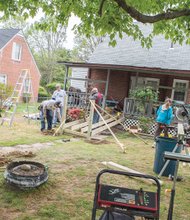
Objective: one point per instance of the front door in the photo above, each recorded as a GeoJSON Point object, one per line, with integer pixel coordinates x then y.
{"type": "Point", "coordinates": [179, 92]}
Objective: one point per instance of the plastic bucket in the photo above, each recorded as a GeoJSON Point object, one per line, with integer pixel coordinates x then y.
{"type": "Point", "coordinates": [164, 144]}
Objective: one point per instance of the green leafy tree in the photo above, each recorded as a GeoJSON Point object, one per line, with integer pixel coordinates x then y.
{"type": "Point", "coordinates": [48, 48]}
{"type": "Point", "coordinates": [15, 22]}
{"type": "Point", "coordinates": [171, 18]}
{"type": "Point", "coordinates": [84, 46]}
{"type": "Point", "coordinates": [144, 96]}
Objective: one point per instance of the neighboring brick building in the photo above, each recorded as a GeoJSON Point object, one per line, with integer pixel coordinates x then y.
{"type": "Point", "coordinates": [15, 55]}
{"type": "Point", "coordinates": [119, 69]}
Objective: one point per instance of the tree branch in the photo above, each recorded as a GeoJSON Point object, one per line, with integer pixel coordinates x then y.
{"type": "Point", "coordinates": [170, 14]}
{"type": "Point", "coordinates": [101, 7]}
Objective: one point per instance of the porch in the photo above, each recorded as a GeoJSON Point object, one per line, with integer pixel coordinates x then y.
{"type": "Point", "coordinates": [116, 81]}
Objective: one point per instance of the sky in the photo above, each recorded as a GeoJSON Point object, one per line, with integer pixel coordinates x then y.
{"type": "Point", "coordinates": [70, 33]}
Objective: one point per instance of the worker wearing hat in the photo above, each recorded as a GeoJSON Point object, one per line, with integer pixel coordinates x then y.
{"type": "Point", "coordinates": [97, 96]}
{"type": "Point", "coordinates": [46, 113]}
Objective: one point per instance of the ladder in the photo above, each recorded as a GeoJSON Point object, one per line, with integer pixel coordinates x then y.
{"type": "Point", "coordinates": [16, 95]}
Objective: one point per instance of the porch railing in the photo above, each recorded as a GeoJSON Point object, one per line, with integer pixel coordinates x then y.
{"type": "Point", "coordinates": [76, 99]}
{"type": "Point", "coordinates": [134, 107]}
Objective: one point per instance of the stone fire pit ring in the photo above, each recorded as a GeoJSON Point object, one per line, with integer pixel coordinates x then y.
{"type": "Point", "coordinates": [26, 174]}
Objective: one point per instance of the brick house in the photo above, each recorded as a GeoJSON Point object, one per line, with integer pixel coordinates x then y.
{"type": "Point", "coordinates": [16, 55]}
{"type": "Point", "coordinates": [117, 70]}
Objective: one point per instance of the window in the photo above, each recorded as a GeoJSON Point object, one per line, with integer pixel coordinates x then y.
{"type": "Point", "coordinates": [179, 92]}
{"type": "Point", "coordinates": [16, 51]}
{"type": "Point", "coordinates": [153, 82]}
{"type": "Point", "coordinates": [143, 81]}
{"type": "Point", "coordinates": [3, 78]}
{"type": "Point", "coordinates": [27, 85]}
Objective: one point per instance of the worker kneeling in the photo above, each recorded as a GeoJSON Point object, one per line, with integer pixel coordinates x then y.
{"type": "Point", "coordinates": [46, 113]}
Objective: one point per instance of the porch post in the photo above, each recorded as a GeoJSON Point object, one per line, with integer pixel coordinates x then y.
{"type": "Point", "coordinates": [66, 76]}
{"type": "Point", "coordinates": [125, 107]}
{"type": "Point", "coordinates": [136, 79]}
{"type": "Point", "coordinates": [90, 120]}
{"type": "Point", "coordinates": [106, 89]}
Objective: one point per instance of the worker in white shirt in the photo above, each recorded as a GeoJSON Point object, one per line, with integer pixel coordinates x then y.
{"type": "Point", "coordinates": [46, 113]}
{"type": "Point", "coordinates": [58, 95]}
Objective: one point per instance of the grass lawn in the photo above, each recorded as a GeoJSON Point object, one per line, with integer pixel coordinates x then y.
{"type": "Point", "coordinates": [73, 166]}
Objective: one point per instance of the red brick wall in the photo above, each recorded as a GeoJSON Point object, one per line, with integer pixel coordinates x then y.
{"type": "Point", "coordinates": [119, 84]}
{"type": "Point", "coordinates": [98, 75]}
{"type": "Point", "coordinates": [13, 68]}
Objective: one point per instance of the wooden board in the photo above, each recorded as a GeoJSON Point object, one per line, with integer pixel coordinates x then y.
{"type": "Point", "coordinates": [100, 129]}
{"type": "Point", "coordinates": [85, 129]}
{"type": "Point", "coordinates": [69, 124]}
{"type": "Point", "coordinates": [118, 166]}
{"type": "Point", "coordinates": [79, 126]}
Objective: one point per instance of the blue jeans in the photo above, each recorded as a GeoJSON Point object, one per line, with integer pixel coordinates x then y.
{"type": "Point", "coordinates": [96, 118]}
{"type": "Point", "coordinates": [49, 118]}
{"type": "Point", "coordinates": [55, 115]}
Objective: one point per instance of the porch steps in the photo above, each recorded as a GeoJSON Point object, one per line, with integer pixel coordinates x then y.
{"type": "Point", "coordinates": [80, 127]}
{"type": "Point", "coordinates": [84, 126]}
{"type": "Point", "coordinates": [97, 125]}
{"type": "Point", "coordinates": [103, 128]}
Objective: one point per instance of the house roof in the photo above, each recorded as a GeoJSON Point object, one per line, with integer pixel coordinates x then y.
{"type": "Point", "coordinates": [130, 53]}
{"type": "Point", "coordinates": [6, 35]}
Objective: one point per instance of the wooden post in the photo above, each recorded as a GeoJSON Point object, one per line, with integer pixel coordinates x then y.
{"type": "Point", "coordinates": [136, 79]}
{"type": "Point", "coordinates": [106, 89]}
{"type": "Point", "coordinates": [64, 115]}
{"type": "Point", "coordinates": [150, 107]}
{"type": "Point", "coordinates": [66, 76]}
{"type": "Point", "coordinates": [90, 119]}
{"type": "Point", "coordinates": [125, 107]}
{"type": "Point", "coordinates": [117, 141]}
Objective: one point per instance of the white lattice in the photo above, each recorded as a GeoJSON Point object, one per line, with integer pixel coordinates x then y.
{"type": "Point", "coordinates": [152, 128]}
{"type": "Point", "coordinates": [130, 122]}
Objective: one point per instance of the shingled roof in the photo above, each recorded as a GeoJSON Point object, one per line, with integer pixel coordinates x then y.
{"type": "Point", "coordinates": [130, 52]}
{"type": "Point", "coordinates": [6, 35]}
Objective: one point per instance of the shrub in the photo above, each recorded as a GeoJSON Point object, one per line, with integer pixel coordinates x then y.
{"type": "Point", "coordinates": [51, 87]}
{"type": "Point", "coordinates": [75, 114]}
{"type": "Point", "coordinates": [145, 123]}
{"type": "Point", "coordinates": [42, 94]}
{"type": "Point", "coordinates": [144, 95]}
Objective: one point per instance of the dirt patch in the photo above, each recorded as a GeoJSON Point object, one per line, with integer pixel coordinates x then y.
{"type": "Point", "coordinates": [7, 154]}
{"type": "Point", "coordinates": [24, 150]}
{"type": "Point", "coordinates": [4, 160]}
